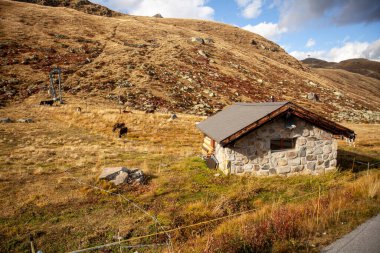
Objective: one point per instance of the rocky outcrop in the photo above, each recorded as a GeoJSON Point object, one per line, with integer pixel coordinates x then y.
{"type": "Point", "coordinates": [122, 175]}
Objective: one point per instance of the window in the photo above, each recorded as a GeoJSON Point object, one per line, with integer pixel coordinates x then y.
{"type": "Point", "coordinates": [281, 144]}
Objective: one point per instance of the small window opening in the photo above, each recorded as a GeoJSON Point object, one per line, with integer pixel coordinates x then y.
{"type": "Point", "coordinates": [282, 144]}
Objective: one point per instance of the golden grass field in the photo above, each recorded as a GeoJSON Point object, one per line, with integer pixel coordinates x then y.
{"type": "Point", "coordinates": [40, 196]}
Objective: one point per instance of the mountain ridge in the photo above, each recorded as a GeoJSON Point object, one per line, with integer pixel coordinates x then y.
{"type": "Point", "coordinates": [356, 65]}
{"type": "Point", "coordinates": [80, 5]}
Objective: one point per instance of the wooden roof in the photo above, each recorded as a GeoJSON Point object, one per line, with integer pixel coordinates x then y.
{"type": "Point", "coordinates": [238, 119]}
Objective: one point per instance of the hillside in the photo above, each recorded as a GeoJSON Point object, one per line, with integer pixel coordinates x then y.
{"type": "Point", "coordinates": [361, 66]}
{"type": "Point", "coordinates": [144, 62]}
{"type": "Point", "coordinates": [80, 5]}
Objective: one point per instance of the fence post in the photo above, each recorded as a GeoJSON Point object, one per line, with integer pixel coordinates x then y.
{"type": "Point", "coordinates": [368, 169]}
{"type": "Point", "coordinates": [32, 244]}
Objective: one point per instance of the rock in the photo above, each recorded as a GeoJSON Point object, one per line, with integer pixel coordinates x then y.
{"type": "Point", "coordinates": [282, 162]}
{"type": "Point", "coordinates": [291, 154]}
{"type": "Point", "coordinates": [198, 40]}
{"type": "Point", "coordinates": [122, 175]}
{"type": "Point", "coordinates": [248, 167]}
{"type": "Point", "coordinates": [327, 149]}
{"type": "Point", "coordinates": [120, 178]}
{"type": "Point", "coordinates": [302, 152]}
{"type": "Point", "coordinates": [310, 166]}
{"type": "Point", "coordinates": [110, 173]}
{"type": "Point", "coordinates": [173, 116]}
{"type": "Point", "coordinates": [283, 170]}
{"type": "Point", "coordinates": [202, 53]}
{"type": "Point", "coordinates": [311, 157]}
{"type": "Point", "coordinates": [260, 81]}
{"type": "Point", "coordinates": [338, 94]}
{"type": "Point", "coordinates": [301, 141]}
{"type": "Point", "coordinates": [312, 96]}
{"type": "Point", "coordinates": [208, 40]}
{"type": "Point", "coordinates": [318, 151]}
{"type": "Point", "coordinates": [25, 120]}
{"type": "Point", "coordinates": [333, 163]}
{"type": "Point", "coordinates": [295, 161]}
{"type": "Point", "coordinates": [297, 168]}
{"type": "Point", "coordinates": [6, 120]}
{"type": "Point", "coordinates": [158, 15]}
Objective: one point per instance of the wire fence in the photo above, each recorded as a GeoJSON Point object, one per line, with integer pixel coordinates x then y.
{"type": "Point", "coordinates": [357, 163]}
{"type": "Point", "coordinates": [167, 232]}
{"type": "Point", "coordinates": [120, 242]}
{"type": "Point", "coordinates": [168, 241]}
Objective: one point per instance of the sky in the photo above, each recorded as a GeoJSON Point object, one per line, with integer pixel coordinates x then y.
{"type": "Point", "coordinates": [331, 30]}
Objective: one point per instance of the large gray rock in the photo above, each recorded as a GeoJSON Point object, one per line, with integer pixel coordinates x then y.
{"type": "Point", "coordinates": [122, 175]}
{"type": "Point", "coordinates": [197, 39]}
{"type": "Point", "coordinates": [6, 120]}
{"type": "Point", "coordinates": [25, 120]}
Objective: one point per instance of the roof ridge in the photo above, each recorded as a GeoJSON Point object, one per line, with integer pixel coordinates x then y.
{"type": "Point", "coordinates": [262, 104]}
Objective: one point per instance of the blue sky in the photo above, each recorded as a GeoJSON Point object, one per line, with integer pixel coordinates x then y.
{"type": "Point", "coordinates": [332, 30]}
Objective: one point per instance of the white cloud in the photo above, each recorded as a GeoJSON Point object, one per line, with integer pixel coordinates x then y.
{"type": "Point", "coordinates": [296, 14]}
{"type": "Point", "coordinates": [310, 43]}
{"type": "Point", "coordinates": [250, 8]}
{"type": "Point", "coordinates": [348, 51]}
{"type": "Point", "coordinates": [267, 30]}
{"type": "Point", "coordinates": [300, 55]}
{"type": "Point", "coordinates": [167, 8]}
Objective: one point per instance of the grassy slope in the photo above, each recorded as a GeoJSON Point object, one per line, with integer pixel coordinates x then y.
{"type": "Point", "coordinates": [156, 56]}
{"type": "Point", "coordinates": [39, 197]}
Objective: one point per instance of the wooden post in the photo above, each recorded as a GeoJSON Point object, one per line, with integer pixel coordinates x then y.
{"type": "Point", "coordinates": [319, 198]}
{"type": "Point", "coordinates": [32, 244]}
{"type": "Point", "coordinates": [118, 237]}
{"type": "Point", "coordinates": [368, 169]}
{"type": "Point", "coordinates": [353, 164]}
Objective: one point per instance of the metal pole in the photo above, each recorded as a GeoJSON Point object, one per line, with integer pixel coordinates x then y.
{"type": "Point", "coordinates": [59, 85]}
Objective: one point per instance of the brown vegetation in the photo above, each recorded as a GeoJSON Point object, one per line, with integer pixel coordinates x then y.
{"type": "Point", "coordinates": [40, 161]}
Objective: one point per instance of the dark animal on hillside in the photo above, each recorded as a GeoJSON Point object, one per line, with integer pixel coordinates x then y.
{"type": "Point", "coordinates": [118, 126]}
{"type": "Point", "coordinates": [47, 102]}
{"type": "Point", "coordinates": [150, 111]}
{"type": "Point", "coordinates": [123, 130]}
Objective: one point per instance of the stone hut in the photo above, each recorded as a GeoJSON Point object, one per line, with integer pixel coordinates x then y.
{"type": "Point", "coordinates": [271, 138]}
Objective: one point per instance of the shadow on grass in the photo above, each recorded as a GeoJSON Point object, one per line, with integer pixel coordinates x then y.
{"type": "Point", "coordinates": [349, 160]}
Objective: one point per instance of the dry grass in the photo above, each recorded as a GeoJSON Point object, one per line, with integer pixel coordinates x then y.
{"type": "Point", "coordinates": [39, 197]}
{"type": "Point", "coordinates": [97, 53]}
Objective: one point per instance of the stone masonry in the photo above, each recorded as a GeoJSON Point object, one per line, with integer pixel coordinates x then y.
{"type": "Point", "coordinates": [315, 151]}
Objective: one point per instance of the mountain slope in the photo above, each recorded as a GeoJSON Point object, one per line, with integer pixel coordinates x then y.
{"type": "Point", "coordinates": [149, 62]}
{"type": "Point", "coordinates": [361, 66]}
{"type": "Point", "coordinates": [80, 5]}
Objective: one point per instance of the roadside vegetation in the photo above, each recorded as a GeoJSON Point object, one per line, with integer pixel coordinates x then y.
{"type": "Point", "coordinates": [49, 168]}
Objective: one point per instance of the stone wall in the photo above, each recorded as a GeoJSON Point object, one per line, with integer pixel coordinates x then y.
{"type": "Point", "coordinates": [315, 151]}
